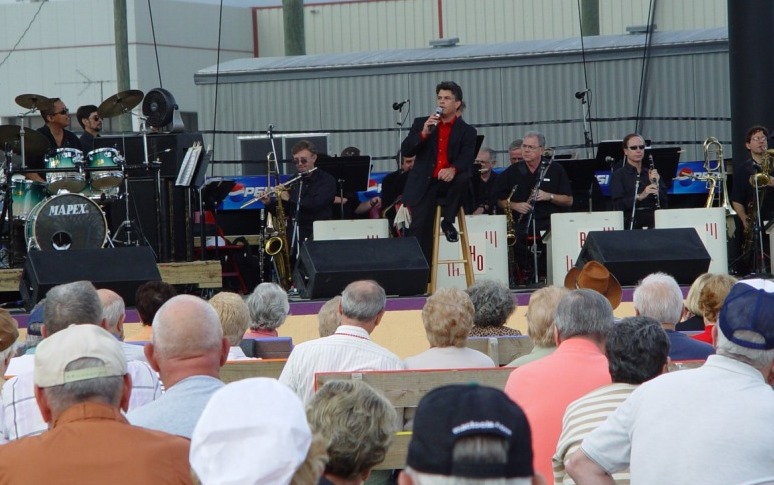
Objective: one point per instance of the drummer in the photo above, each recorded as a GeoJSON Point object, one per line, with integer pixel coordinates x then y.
{"type": "Point", "coordinates": [91, 122]}
{"type": "Point", "coordinates": [57, 118]}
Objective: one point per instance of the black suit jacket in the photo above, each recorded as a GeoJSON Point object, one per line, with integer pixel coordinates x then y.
{"type": "Point", "coordinates": [461, 153]}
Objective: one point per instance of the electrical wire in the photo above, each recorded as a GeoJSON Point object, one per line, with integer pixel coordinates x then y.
{"type": "Point", "coordinates": [585, 76]}
{"type": "Point", "coordinates": [217, 80]}
{"type": "Point", "coordinates": [21, 37]}
{"type": "Point", "coordinates": [155, 45]}
{"type": "Point", "coordinates": [645, 65]}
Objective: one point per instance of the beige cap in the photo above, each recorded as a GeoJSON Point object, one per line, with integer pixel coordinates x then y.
{"type": "Point", "coordinates": [75, 342]}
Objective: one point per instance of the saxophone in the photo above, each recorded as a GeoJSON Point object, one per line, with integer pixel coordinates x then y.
{"type": "Point", "coordinates": [759, 181]}
{"type": "Point", "coordinates": [278, 248]}
{"type": "Point", "coordinates": [511, 239]}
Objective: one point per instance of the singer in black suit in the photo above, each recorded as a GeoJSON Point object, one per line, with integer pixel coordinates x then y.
{"type": "Point", "coordinates": [651, 190]}
{"type": "Point", "coordinates": [445, 147]}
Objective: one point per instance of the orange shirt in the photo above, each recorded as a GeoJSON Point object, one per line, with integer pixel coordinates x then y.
{"type": "Point", "coordinates": [93, 443]}
{"type": "Point", "coordinates": [544, 388]}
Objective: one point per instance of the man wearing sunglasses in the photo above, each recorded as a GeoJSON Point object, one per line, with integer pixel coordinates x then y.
{"type": "Point", "coordinates": [650, 189]}
{"type": "Point", "coordinates": [57, 118]}
{"type": "Point", "coordinates": [316, 189]}
{"type": "Point", "coordinates": [91, 122]}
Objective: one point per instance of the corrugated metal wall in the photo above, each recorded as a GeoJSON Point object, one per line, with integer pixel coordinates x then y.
{"type": "Point", "coordinates": [397, 24]}
{"type": "Point", "coordinates": [514, 94]}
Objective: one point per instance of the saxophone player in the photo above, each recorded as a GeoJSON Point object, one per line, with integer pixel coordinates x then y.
{"type": "Point", "coordinates": [651, 191]}
{"type": "Point", "coordinates": [316, 190]}
{"type": "Point", "coordinates": [553, 195]}
{"type": "Point", "coordinates": [743, 198]}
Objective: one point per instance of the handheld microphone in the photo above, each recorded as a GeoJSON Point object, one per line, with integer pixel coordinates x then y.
{"type": "Point", "coordinates": [397, 106]}
{"type": "Point", "coordinates": [437, 114]}
{"type": "Point", "coordinates": [581, 94]}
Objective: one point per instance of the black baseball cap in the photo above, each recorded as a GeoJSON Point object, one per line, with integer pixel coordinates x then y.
{"type": "Point", "coordinates": [449, 413]}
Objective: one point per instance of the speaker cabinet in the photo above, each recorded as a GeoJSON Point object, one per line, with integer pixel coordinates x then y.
{"type": "Point", "coordinates": [119, 269]}
{"type": "Point", "coordinates": [324, 268]}
{"type": "Point", "coordinates": [632, 255]}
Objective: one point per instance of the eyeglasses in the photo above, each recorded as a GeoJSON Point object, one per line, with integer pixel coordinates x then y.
{"type": "Point", "coordinates": [63, 112]}
{"type": "Point", "coordinates": [758, 138]}
{"type": "Point", "coordinates": [300, 161]}
{"type": "Point", "coordinates": [636, 147]}
{"type": "Point", "coordinates": [95, 118]}
{"type": "Point", "coordinates": [530, 147]}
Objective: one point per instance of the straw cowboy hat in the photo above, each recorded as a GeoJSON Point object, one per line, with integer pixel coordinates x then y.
{"type": "Point", "coordinates": [594, 276]}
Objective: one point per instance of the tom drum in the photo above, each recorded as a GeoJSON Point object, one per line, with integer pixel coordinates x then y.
{"type": "Point", "coordinates": [72, 181]}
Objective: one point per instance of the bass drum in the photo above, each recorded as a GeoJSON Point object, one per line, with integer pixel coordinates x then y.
{"type": "Point", "coordinates": [66, 221]}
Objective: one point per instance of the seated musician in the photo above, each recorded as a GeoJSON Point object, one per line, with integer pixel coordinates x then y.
{"type": "Point", "coordinates": [315, 188]}
{"type": "Point", "coordinates": [651, 190]}
{"type": "Point", "coordinates": [483, 184]}
{"type": "Point", "coordinates": [57, 119]}
{"type": "Point", "coordinates": [529, 192]}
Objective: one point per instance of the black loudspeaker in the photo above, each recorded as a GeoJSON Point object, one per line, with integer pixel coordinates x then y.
{"type": "Point", "coordinates": [168, 148]}
{"type": "Point", "coordinates": [632, 255]}
{"type": "Point", "coordinates": [324, 268]}
{"type": "Point", "coordinates": [119, 269]}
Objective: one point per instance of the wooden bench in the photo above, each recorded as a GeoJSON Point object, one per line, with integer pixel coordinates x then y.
{"type": "Point", "coordinates": [244, 369]}
{"type": "Point", "coordinates": [502, 350]}
{"type": "Point", "coordinates": [405, 388]}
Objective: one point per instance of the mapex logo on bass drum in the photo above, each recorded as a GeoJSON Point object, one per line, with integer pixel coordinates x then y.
{"type": "Point", "coordinates": [67, 209]}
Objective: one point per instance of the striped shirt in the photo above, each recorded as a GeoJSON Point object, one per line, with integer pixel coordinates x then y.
{"type": "Point", "coordinates": [582, 417]}
{"type": "Point", "coordinates": [350, 349]}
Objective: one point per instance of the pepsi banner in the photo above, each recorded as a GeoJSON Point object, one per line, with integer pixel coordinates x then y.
{"type": "Point", "coordinates": [683, 181]}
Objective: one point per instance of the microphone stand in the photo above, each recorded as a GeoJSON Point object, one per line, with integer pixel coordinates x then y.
{"type": "Point", "coordinates": [585, 108]}
{"type": "Point", "coordinates": [634, 203]}
{"type": "Point", "coordinates": [758, 244]}
{"type": "Point", "coordinates": [591, 191]}
{"type": "Point", "coordinates": [294, 242]}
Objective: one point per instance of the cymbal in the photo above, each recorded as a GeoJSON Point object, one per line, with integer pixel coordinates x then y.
{"type": "Point", "coordinates": [120, 103]}
{"type": "Point", "coordinates": [31, 101]}
{"type": "Point", "coordinates": [34, 142]}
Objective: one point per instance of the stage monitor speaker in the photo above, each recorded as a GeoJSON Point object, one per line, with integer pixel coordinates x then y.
{"type": "Point", "coordinates": [324, 268]}
{"type": "Point", "coordinates": [632, 255]}
{"type": "Point", "coordinates": [119, 269]}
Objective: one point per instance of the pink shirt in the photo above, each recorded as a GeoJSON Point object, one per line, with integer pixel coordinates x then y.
{"type": "Point", "coordinates": [261, 333]}
{"type": "Point", "coordinates": [544, 388]}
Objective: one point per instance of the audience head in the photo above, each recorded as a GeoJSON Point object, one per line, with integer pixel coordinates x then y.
{"type": "Point", "coordinates": [713, 294]}
{"type": "Point", "coordinates": [492, 301]}
{"type": "Point", "coordinates": [468, 432]}
{"type": "Point", "coordinates": [584, 313]}
{"type": "Point", "coordinates": [113, 311]}
{"type": "Point", "coordinates": [233, 314]}
{"type": "Point", "coordinates": [328, 317]}
{"type": "Point", "coordinates": [77, 364]}
{"type": "Point", "coordinates": [746, 329]}
{"type": "Point", "coordinates": [255, 431]}
{"type": "Point", "coordinates": [269, 306]}
{"type": "Point", "coordinates": [594, 276]}
{"type": "Point", "coordinates": [149, 298]}
{"type": "Point", "coordinates": [659, 296]}
{"type": "Point", "coordinates": [34, 325]}
{"type": "Point", "coordinates": [9, 334]}
{"type": "Point", "coordinates": [541, 315]}
{"type": "Point", "coordinates": [362, 303]}
{"type": "Point", "coordinates": [76, 302]}
{"type": "Point", "coordinates": [448, 317]}
{"type": "Point", "coordinates": [692, 299]}
{"type": "Point", "coordinates": [358, 423]}
{"type": "Point", "coordinates": [637, 350]}
{"type": "Point", "coordinates": [187, 340]}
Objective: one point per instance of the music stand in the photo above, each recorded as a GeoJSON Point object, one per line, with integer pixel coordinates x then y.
{"type": "Point", "coordinates": [210, 195]}
{"type": "Point", "coordinates": [584, 183]}
{"type": "Point", "coordinates": [665, 160]}
{"type": "Point", "coordinates": [614, 150]}
{"type": "Point", "coordinates": [351, 173]}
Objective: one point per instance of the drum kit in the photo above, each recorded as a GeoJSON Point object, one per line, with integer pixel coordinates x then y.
{"type": "Point", "coordinates": [65, 212]}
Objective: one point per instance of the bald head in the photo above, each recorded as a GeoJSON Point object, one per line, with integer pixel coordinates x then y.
{"type": "Point", "coordinates": [186, 326]}
{"type": "Point", "coordinates": [113, 311]}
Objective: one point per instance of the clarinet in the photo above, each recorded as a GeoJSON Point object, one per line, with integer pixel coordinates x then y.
{"type": "Point", "coordinates": [654, 181]}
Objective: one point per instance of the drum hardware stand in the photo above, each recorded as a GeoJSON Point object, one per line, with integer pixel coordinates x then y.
{"type": "Point", "coordinates": [126, 225]}
{"type": "Point", "coordinates": [6, 216]}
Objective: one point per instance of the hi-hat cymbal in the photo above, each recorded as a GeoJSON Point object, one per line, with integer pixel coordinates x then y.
{"type": "Point", "coordinates": [31, 101]}
{"type": "Point", "coordinates": [34, 142]}
{"type": "Point", "coordinates": [120, 103]}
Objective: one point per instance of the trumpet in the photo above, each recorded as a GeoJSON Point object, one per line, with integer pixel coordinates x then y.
{"type": "Point", "coordinates": [278, 188]}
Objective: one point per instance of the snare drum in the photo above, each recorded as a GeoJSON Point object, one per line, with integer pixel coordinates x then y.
{"type": "Point", "coordinates": [26, 195]}
{"type": "Point", "coordinates": [66, 221]}
{"type": "Point", "coordinates": [105, 167]}
{"type": "Point", "coordinates": [70, 181]}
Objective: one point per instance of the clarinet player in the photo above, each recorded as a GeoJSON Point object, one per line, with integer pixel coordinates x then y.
{"type": "Point", "coordinates": [635, 188]}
